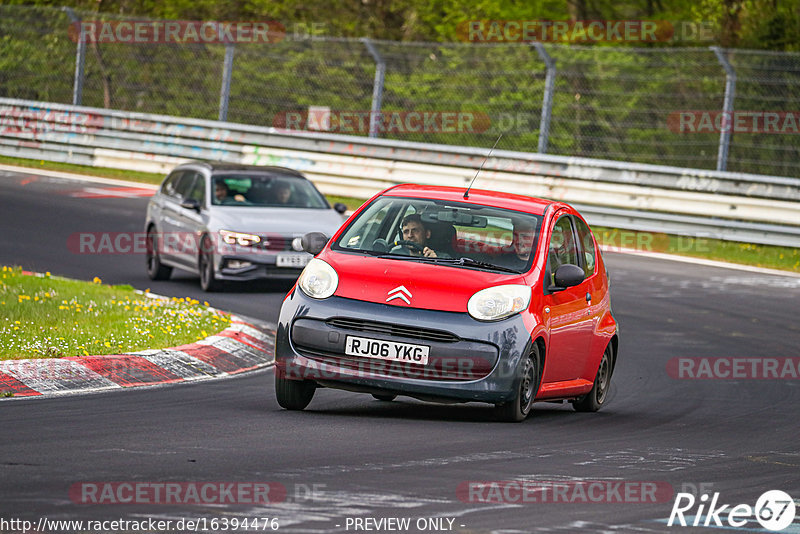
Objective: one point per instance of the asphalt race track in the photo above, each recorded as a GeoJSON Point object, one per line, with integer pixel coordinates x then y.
{"type": "Point", "coordinates": [350, 457]}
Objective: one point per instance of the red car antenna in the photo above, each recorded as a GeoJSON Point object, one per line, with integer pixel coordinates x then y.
{"type": "Point", "coordinates": [466, 193]}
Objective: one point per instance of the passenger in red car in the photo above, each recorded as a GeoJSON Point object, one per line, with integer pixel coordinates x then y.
{"type": "Point", "coordinates": [516, 256]}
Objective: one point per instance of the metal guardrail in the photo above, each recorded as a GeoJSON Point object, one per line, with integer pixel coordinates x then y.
{"type": "Point", "coordinates": [674, 104]}
{"type": "Point", "coordinates": [724, 205]}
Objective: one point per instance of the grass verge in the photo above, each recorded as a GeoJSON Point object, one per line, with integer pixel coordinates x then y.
{"type": "Point", "coordinates": [43, 316]}
{"type": "Point", "coordinates": [767, 256]}
{"type": "Point", "coordinates": [104, 172]}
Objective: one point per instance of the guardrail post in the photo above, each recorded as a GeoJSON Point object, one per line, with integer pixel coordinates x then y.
{"type": "Point", "coordinates": [225, 91]}
{"type": "Point", "coordinates": [547, 100]}
{"type": "Point", "coordinates": [80, 58]}
{"type": "Point", "coordinates": [377, 87]}
{"type": "Point", "coordinates": [727, 109]}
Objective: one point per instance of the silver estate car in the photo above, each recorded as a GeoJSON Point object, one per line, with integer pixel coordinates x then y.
{"type": "Point", "coordinates": [234, 222]}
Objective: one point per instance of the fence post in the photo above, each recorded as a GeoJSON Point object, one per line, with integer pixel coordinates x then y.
{"type": "Point", "coordinates": [377, 87]}
{"type": "Point", "coordinates": [80, 58]}
{"type": "Point", "coordinates": [727, 109]}
{"type": "Point", "coordinates": [547, 101]}
{"type": "Point", "coordinates": [225, 91]}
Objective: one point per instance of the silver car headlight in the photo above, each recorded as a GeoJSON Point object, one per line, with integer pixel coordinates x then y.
{"type": "Point", "coordinates": [238, 238]}
{"type": "Point", "coordinates": [499, 302]}
{"type": "Point", "coordinates": [318, 280]}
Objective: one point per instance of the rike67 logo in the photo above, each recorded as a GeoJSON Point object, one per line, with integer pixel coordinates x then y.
{"type": "Point", "coordinates": [774, 510]}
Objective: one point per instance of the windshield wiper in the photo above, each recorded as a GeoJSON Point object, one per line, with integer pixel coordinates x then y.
{"type": "Point", "coordinates": [377, 253]}
{"type": "Point", "coordinates": [464, 261]}
{"type": "Point", "coordinates": [385, 255]}
{"type": "Point", "coordinates": [469, 262]}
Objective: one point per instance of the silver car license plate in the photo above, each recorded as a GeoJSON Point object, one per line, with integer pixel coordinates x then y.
{"type": "Point", "coordinates": [292, 260]}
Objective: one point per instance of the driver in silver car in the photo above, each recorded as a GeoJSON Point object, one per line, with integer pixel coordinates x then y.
{"type": "Point", "coordinates": [222, 194]}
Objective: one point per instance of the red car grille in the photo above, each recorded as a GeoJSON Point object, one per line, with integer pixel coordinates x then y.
{"type": "Point", "coordinates": [363, 325]}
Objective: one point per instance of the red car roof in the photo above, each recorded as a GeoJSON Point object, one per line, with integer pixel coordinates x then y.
{"type": "Point", "coordinates": [482, 197]}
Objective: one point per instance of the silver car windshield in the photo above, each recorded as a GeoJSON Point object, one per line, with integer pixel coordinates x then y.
{"type": "Point", "coordinates": [257, 190]}
{"type": "Point", "coordinates": [452, 233]}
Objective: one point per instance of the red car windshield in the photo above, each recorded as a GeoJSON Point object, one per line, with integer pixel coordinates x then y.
{"type": "Point", "coordinates": [453, 233]}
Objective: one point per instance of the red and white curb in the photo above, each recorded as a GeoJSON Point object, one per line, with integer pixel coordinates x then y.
{"type": "Point", "coordinates": [243, 346]}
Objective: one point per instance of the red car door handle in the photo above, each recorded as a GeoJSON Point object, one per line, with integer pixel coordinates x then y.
{"type": "Point", "coordinates": [588, 297]}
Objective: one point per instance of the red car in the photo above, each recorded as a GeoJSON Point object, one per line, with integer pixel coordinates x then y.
{"type": "Point", "coordinates": [450, 295]}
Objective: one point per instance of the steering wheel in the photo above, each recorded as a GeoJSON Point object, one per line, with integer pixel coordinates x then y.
{"type": "Point", "coordinates": [380, 245]}
{"type": "Point", "coordinates": [410, 244]}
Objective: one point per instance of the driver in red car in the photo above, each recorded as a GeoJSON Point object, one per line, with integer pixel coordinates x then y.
{"type": "Point", "coordinates": [416, 236]}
